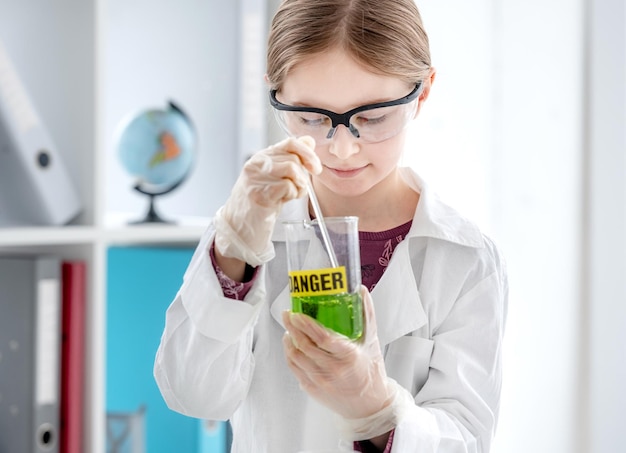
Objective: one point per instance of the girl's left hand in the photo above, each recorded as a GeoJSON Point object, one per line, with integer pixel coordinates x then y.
{"type": "Point", "coordinates": [347, 376]}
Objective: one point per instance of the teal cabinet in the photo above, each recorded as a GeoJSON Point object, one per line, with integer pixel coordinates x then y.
{"type": "Point", "coordinates": [141, 283]}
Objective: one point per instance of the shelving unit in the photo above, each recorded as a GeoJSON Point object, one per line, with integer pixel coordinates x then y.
{"type": "Point", "coordinates": [88, 65]}
{"type": "Point", "coordinates": [90, 243]}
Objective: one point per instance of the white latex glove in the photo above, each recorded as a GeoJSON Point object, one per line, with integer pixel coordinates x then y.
{"type": "Point", "coordinates": [269, 178]}
{"type": "Point", "coordinates": [349, 377]}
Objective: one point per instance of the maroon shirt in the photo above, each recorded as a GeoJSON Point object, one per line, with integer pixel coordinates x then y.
{"type": "Point", "coordinates": [376, 250]}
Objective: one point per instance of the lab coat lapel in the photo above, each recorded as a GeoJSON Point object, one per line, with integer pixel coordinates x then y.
{"type": "Point", "coordinates": [280, 304]}
{"type": "Point", "coordinates": [396, 299]}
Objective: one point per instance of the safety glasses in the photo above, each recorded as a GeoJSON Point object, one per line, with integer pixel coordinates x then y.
{"type": "Point", "coordinates": [371, 123]}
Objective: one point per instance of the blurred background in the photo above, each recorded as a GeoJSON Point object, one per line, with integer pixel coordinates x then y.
{"type": "Point", "coordinates": [525, 132]}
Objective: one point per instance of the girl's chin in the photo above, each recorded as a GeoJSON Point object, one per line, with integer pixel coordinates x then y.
{"type": "Point", "coordinates": [346, 188]}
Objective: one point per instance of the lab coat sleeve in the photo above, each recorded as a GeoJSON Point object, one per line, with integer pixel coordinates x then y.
{"type": "Point", "coordinates": [456, 410]}
{"type": "Point", "coordinates": [204, 363]}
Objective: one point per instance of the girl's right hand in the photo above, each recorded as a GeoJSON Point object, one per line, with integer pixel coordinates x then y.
{"type": "Point", "coordinates": [269, 178]}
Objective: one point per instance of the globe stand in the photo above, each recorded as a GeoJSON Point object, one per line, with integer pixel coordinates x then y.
{"type": "Point", "coordinates": [152, 216]}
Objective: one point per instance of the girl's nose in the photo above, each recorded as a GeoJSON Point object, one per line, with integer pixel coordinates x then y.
{"type": "Point", "coordinates": [343, 144]}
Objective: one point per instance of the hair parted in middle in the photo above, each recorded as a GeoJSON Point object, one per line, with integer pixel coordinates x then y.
{"type": "Point", "coordinates": [385, 36]}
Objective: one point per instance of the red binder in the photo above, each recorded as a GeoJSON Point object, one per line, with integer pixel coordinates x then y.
{"type": "Point", "coordinates": [72, 356]}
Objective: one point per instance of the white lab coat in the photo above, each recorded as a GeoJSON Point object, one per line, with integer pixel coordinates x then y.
{"type": "Point", "coordinates": [440, 309]}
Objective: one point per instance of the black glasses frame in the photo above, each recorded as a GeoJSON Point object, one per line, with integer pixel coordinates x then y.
{"type": "Point", "coordinates": [344, 118]}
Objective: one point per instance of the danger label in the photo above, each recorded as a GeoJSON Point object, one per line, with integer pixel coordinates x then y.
{"type": "Point", "coordinates": [318, 282]}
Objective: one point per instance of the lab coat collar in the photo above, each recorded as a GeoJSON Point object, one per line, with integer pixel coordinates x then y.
{"type": "Point", "coordinates": [433, 218]}
{"type": "Point", "coordinates": [397, 303]}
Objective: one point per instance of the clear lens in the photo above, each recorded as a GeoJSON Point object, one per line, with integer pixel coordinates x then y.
{"type": "Point", "coordinates": [373, 125]}
{"type": "Point", "coordinates": [376, 125]}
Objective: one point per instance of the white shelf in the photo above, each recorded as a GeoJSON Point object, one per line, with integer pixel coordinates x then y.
{"type": "Point", "coordinates": [183, 233]}
{"type": "Point", "coordinates": [28, 237]}
{"type": "Point", "coordinates": [38, 236]}
{"type": "Point", "coordinates": [119, 230]}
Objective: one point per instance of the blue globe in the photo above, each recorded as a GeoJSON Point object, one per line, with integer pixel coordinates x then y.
{"type": "Point", "coordinates": [157, 147]}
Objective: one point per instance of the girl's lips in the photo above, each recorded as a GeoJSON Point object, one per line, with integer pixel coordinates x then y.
{"type": "Point", "coordinates": [346, 172]}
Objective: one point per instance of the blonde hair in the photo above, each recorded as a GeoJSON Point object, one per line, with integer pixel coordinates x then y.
{"type": "Point", "coordinates": [385, 36]}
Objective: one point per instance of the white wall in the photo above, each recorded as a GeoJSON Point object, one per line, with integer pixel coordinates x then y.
{"type": "Point", "coordinates": [452, 139]}
{"type": "Point", "coordinates": [544, 172]}
{"type": "Point", "coordinates": [186, 51]}
{"type": "Point", "coordinates": [539, 208]}
{"type": "Point", "coordinates": [502, 139]}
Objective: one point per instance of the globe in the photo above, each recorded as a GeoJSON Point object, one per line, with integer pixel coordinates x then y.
{"type": "Point", "coordinates": [157, 148]}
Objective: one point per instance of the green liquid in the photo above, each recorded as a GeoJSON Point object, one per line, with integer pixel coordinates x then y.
{"type": "Point", "coordinates": [342, 313]}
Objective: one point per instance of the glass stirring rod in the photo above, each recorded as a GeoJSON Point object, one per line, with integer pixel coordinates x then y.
{"type": "Point", "coordinates": [321, 223]}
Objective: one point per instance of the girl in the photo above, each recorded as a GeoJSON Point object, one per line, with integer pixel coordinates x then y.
{"type": "Point", "coordinates": [346, 77]}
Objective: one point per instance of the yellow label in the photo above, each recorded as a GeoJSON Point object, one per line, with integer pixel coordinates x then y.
{"type": "Point", "coordinates": [318, 282]}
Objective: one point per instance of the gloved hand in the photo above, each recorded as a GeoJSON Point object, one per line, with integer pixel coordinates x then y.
{"type": "Point", "coordinates": [269, 178]}
{"type": "Point", "coordinates": [346, 376]}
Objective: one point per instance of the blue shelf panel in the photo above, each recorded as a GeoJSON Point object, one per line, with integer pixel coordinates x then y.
{"type": "Point", "coordinates": [141, 283]}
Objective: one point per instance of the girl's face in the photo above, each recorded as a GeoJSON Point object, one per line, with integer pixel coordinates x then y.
{"type": "Point", "coordinates": [335, 82]}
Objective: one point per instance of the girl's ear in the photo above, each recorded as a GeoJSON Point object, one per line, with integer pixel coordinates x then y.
{"type": "Point", "coordinates": [428, 83]}
{"type": "Point", "coordinates": [267, 80]}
